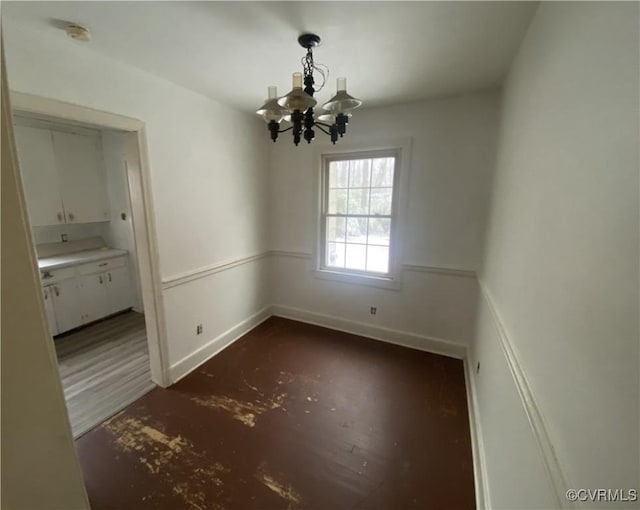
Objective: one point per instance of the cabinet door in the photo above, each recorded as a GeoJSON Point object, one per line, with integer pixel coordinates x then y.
{"type": "Point", "coordinates": [93, 289]}
{"type": "Point", "coordinates": [51, 314]}
{"type": "Point", "coordinates": [82, 177]}
{"type": "Point", "coordinates": [39, 175]}
{"type": "Point", "coordinates": [119, 289]}
{"type": "Point", "coordinates": [66, 304]}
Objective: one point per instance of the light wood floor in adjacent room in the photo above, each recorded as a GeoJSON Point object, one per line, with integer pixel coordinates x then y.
{"type": "Point", "coordinates": [103, 367]}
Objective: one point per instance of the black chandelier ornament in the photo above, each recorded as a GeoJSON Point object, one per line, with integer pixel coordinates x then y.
{"type": "Point", "coordinates": [297, 106]}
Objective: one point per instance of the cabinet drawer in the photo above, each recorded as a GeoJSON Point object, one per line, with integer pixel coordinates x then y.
{"type": "Point", "coordinates": [102, 265]}
{"type": "Point", "coordinates": [48, 276]}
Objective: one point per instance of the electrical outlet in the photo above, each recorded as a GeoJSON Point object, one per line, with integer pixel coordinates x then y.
{"type": "Point", "coordinates": [478, 368]}
{"type": "Point", "coordinates": [373, 310]}
{"type": "Point", "coordinates": [199, 329]}
{"type": "Point", "coordinates": [64, 238]}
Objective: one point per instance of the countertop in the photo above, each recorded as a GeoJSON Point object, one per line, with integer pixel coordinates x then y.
{"type": "Point", "coordinates": [79, 257]}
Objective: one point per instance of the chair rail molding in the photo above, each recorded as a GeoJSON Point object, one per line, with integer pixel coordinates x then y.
{"type": "Point", "coordinates": [203, 272]}
{"type": "Point", "coordinates": [449, 271]}
{"type": "Point", "coordinates": [529, 402]}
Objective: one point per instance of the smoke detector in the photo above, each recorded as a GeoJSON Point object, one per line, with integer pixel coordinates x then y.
{"type": "Point", "coordinates": [78, 32]}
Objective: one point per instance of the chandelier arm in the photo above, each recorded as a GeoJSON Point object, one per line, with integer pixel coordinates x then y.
{"type": "Point", "coordinates": [323, 130]}
{"type": "Point", "coordinates": [285, 130]}
{"type": "Point", "coordinates": [318, 123]}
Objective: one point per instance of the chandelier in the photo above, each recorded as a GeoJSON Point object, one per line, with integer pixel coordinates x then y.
{"type": "Point", "coordinates": [297, 106]}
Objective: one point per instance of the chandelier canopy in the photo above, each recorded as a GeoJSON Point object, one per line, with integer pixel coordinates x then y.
{"type": "Point", "coordinates": [296, 107]}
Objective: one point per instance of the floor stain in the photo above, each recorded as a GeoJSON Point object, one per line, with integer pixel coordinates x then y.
{"type": "Point", "coordinates": [252, 387]}
{"type": "Point", "coordinates": [194, 500]}
{"type": "Point", "coordinates": [173, 459]}
{"type": "Point", "coordinates": [243, 411]}
{"type": "Point", "coordinates": [284, 491]}
{"type": "Point", "coordinates": [156, 449]}
{"type": "Point", "coordinates": [300, 379]}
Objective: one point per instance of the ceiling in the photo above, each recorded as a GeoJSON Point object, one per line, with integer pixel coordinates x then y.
{"type": "Point", "coordinates": [390, 52]}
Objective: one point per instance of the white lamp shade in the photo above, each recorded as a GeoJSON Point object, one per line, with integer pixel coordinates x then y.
{"type": "Point", "coordinates": [297, 99]}
{"type": "Point", "coordinates": [341, 102]}
{"type": "Point", "coordinates": [271, 110]}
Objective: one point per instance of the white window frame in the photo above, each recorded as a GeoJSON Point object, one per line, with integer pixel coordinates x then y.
{"type": "Point", "coordinates": [391, 280]}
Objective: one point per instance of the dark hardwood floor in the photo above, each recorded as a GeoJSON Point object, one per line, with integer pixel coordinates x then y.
{"type": "Point", "coordinates": [292, 416]}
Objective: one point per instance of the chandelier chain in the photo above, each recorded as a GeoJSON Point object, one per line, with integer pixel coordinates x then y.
{"type": "Point", "coordinates": [309, 66]}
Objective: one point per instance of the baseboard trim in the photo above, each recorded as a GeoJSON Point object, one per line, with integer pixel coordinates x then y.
{"type": "Point", "coordinates": [393, 336]}
{"type": "Point", "coordinates": [397, 337]}
{"type": "Point", "coordinates": [189, 363]}
{"type": "Point", "coordinates": [477, 444]}
{"type": "Point", "coordinates": [529, 403]}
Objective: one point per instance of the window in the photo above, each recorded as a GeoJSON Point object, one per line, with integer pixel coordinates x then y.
{"type": "Point", "coordinates": [359, 195]}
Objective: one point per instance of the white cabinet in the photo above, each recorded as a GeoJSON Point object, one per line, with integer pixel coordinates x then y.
{"type": "Point", "coordinates": [48, 306]}
{"type": "Point", "coordinates": [95, 302]}
{"type": "Point", "coordinates": [84, 293]}
{"type": "Point", "coordinates": [63, 175]}
{"type": "Point", "coordinates": [39, 175]}
{"type": "Point", "coordinates": [67, 304]}
{"type": "Point", "coordinates": [82, 177]}
{"type": "Point", "coordinates": [105, 293]}
{"type": "Point", "coordinates": [119, 289]}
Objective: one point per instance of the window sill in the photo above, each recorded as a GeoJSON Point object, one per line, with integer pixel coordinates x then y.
{"type": "Point", "coordinates": [358, 279]}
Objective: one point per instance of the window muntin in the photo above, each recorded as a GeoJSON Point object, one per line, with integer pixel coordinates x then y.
{"type": "Point", "coordinates": [359, 195]}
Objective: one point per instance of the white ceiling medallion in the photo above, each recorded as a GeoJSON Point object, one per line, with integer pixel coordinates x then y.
{"type": "Point", "coordinates": [78, 32]}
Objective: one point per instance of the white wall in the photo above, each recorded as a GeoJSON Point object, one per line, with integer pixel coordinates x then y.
{"type": "Point", "coordinates": [453, 155]}
{"type": "Point", "coordinates": [562, 257]}
{"type": "Point", "coordinates": [40, 468]}
{"type": "Point", "coordinates": [53, 233]}
{"type": "Point", "coordinates": [119, 232]}
{"type": "Point", "coordinates": [208, 169]}
{"type": "Point", "coordinates": [235, 303]}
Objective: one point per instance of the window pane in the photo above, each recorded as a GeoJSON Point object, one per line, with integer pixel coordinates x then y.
{"type": "Point", "coordinates": [335, 254]}
{"type": "Point", "coordinates": [338, 174]}
{"type": "Point", "coordinates": [382, 172]}
{"type": "Point", "coordinates": [360, 171]}
{"type": "Point", "coordinates": [378, 259]}
{"type": "Point", "coordinates": [381, 201]}
{"type": "Point", "coordinates": [358, 201]}
{"type": "Point", "coordinates": [379, 231]}
{"type": "Point", "coordinates": [356, 255]}
{"type": "Point", "coordinates": [359, 187]}
{"type": "Point", "coordinates": [357, 230]}
{"type": "Point", "coordinates": [336, 229]}
{"type": "Point", "coordinates": [337, 201]}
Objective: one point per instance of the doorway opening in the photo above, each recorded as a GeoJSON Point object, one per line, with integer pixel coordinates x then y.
{"type": "Point", "coordinates": [86, 187]}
